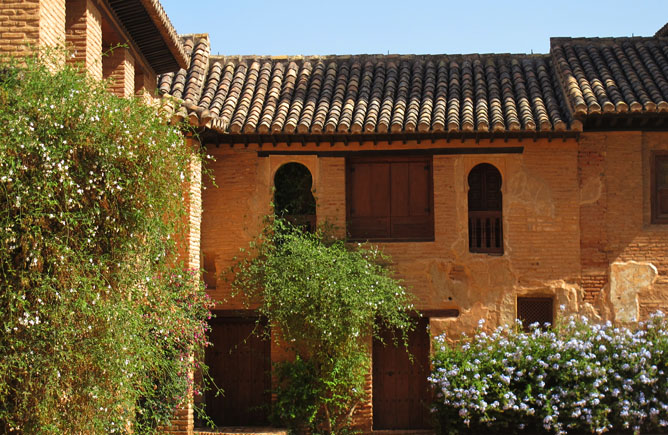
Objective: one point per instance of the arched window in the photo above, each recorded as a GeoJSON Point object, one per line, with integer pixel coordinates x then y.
{"type": "Point", "coordinates": [485, 206]}
{"type": "Point", "coordinates": [293, 198]}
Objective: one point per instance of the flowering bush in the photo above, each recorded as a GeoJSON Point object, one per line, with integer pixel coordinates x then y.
{"type": "Point", "coordinates": [98, 321]}
{"type": "Point", "coordinates": [578, 377]}
{"type": "Point", "coordinates": [327, 299]}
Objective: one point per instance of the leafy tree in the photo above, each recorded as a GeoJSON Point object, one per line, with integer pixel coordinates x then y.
{"type": "Point", "coordinates": [324, 299]}
{"type": "Point", "coordinates": [98, 319]}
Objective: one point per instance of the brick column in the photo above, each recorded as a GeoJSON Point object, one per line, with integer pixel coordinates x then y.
{"type": "Point", "coordinates": [184, 421]}
{"type": "Point", "coordinates": [84, 35]}
{"type": "Point", "coordinates": [119, 67]}
{"type": "Point", "coordinates": [145, 83]}
{"type": "Point", "coordinates": [27, 24]}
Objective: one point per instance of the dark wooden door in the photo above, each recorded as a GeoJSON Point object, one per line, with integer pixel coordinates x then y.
{"type": "Point", "coordinates": [401, 394]}
{"type": "Point", "coordinates": [239, 363]}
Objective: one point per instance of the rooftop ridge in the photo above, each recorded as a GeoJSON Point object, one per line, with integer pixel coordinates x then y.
{"type": "Point", "coordinates": [599, 39]}
{"type": "Point", "coordinates": [372, 56]}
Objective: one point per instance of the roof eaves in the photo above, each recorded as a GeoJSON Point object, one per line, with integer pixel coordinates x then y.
{"type": "Point", "coordinates": [142, 19]}
{"type": "Point", "coordinates": [167, 30]}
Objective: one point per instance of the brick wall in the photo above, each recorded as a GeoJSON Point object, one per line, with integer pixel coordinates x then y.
{"type": "Point", "coordinates": [119, 67]}
{"type": "Point", "coordinates": [232, 212]}
{"type": "Point", "coordinates": [614, 176]}
{"type": "Point", "coordinates": [52, 23]}
{"type": "Point", "coordinates": [194, 210]}
{"type": "Point", "coordinates": [145, 83]}
{"type": "Point", "coordinates": [31, 23]}
{"type": "Point", "coordinates": [541, 228]}
{"type": "Point", "coordinates": [591, 175]}
{"type": "Point", "coordinates": [84, 35]}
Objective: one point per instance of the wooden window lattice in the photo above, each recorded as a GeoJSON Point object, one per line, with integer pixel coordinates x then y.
{"type": "Point", "coordinates": [484, 208]}
{"type": "Point", "coordinates": [535, 309]}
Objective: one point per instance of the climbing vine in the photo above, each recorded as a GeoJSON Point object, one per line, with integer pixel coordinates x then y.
{"type": "Point", "coordinates": [98, 318]}
{"type": "Point", "coordinates": [324, 300]}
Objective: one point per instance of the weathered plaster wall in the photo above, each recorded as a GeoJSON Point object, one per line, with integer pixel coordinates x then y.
{"type": "Point", "coordinates": [624, 256]}
{"type": "Point", "coordinates": [576, 224]}
{"type": "Point", "coordinates": [541, 228]}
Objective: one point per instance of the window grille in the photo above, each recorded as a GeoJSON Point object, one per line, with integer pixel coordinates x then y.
{"type": "Point", "coordinates": [532, 309]}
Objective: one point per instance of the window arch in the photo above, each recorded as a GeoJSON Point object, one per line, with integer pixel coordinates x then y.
{"type": "Point", "coordinates": [485, 210]}
{"type": "Point", "coordinates": [293, 198]}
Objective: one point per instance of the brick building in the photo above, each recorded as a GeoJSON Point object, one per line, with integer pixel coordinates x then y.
{"type": "Point", "coordinates": [136, 35]}
{"type": "Point", "coordinates": [503, 186]}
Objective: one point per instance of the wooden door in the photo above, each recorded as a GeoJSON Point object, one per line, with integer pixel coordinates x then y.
{"type": "Point", "coordinates": [239, 363]}
{"type": "Point", "coordinates": [401, 394]}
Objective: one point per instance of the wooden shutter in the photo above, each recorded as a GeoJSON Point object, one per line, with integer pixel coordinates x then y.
{"type": "Point", "coordinates": [369, 200]}
{"type": "Point", "coordinates": [660, 189]}
{"type": "Point", "coordinates": [390, 198]}
{"type": "Point", "coordinates": [485, 210]}
{"type": "Point", "coordinates": [484, 188]}
{"type": "Point", "coordinates": [411, 216]}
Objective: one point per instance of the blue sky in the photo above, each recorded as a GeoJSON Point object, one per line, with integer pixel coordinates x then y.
{"type": "Point", "coordinates": [419, 26]}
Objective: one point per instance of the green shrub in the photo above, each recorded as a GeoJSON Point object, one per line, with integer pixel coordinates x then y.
{"type": "Point", "coordinates": [97, 318]}
{"type": "Point", "coordinates": [325, 299]}
{"type": "Point", "coordinates": [578, 377]}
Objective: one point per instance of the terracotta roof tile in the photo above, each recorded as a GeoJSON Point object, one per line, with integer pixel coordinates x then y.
{"type": "Point", "coordinates": [199, 65]}
{"type": "Point", "coordinates": [373, 108]}
{"type": "Point", "coordinates": [440, 104]}
{"type": "Point", "coordinates": [427, 103]}
{"type": "Point", "coordinates": [351, 97]}
{"type": "Point", "coordinates": [481, 104]}
{"type": "Point", "coordinates": [369, 94]}
{"type": "Point", "coordinates": [255, 110]}
{"type": "Point", "coordinates": [273, 94]}
{"type": "Point", "coordinates": [613, 75]}
{"type": "Point", "coordinates": [391, 81]}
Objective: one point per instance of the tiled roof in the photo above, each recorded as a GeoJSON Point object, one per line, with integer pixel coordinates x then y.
{"type": "Point", "coordinates": [368, 93]}
{"type": "Point", "coordinates": [663, 31]}
{"type": "Point", "coordinates": [150, 28]}
{"type": "Point", "coordinates": [459, 94]}
{"type": "Point", "coordinates": [613, 75]}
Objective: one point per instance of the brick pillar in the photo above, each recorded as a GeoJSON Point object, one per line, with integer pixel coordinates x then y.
{"type": "Point", "coordinates": [145, 83]}
{"type": "Point", "coordinates": [84, 35]}
{"type": "Point", "coordinates": [119, 67]}
{"type": "Point", "coordinates": [184, 421]}
{"type": "Point", "coordinates": [27, 24]}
